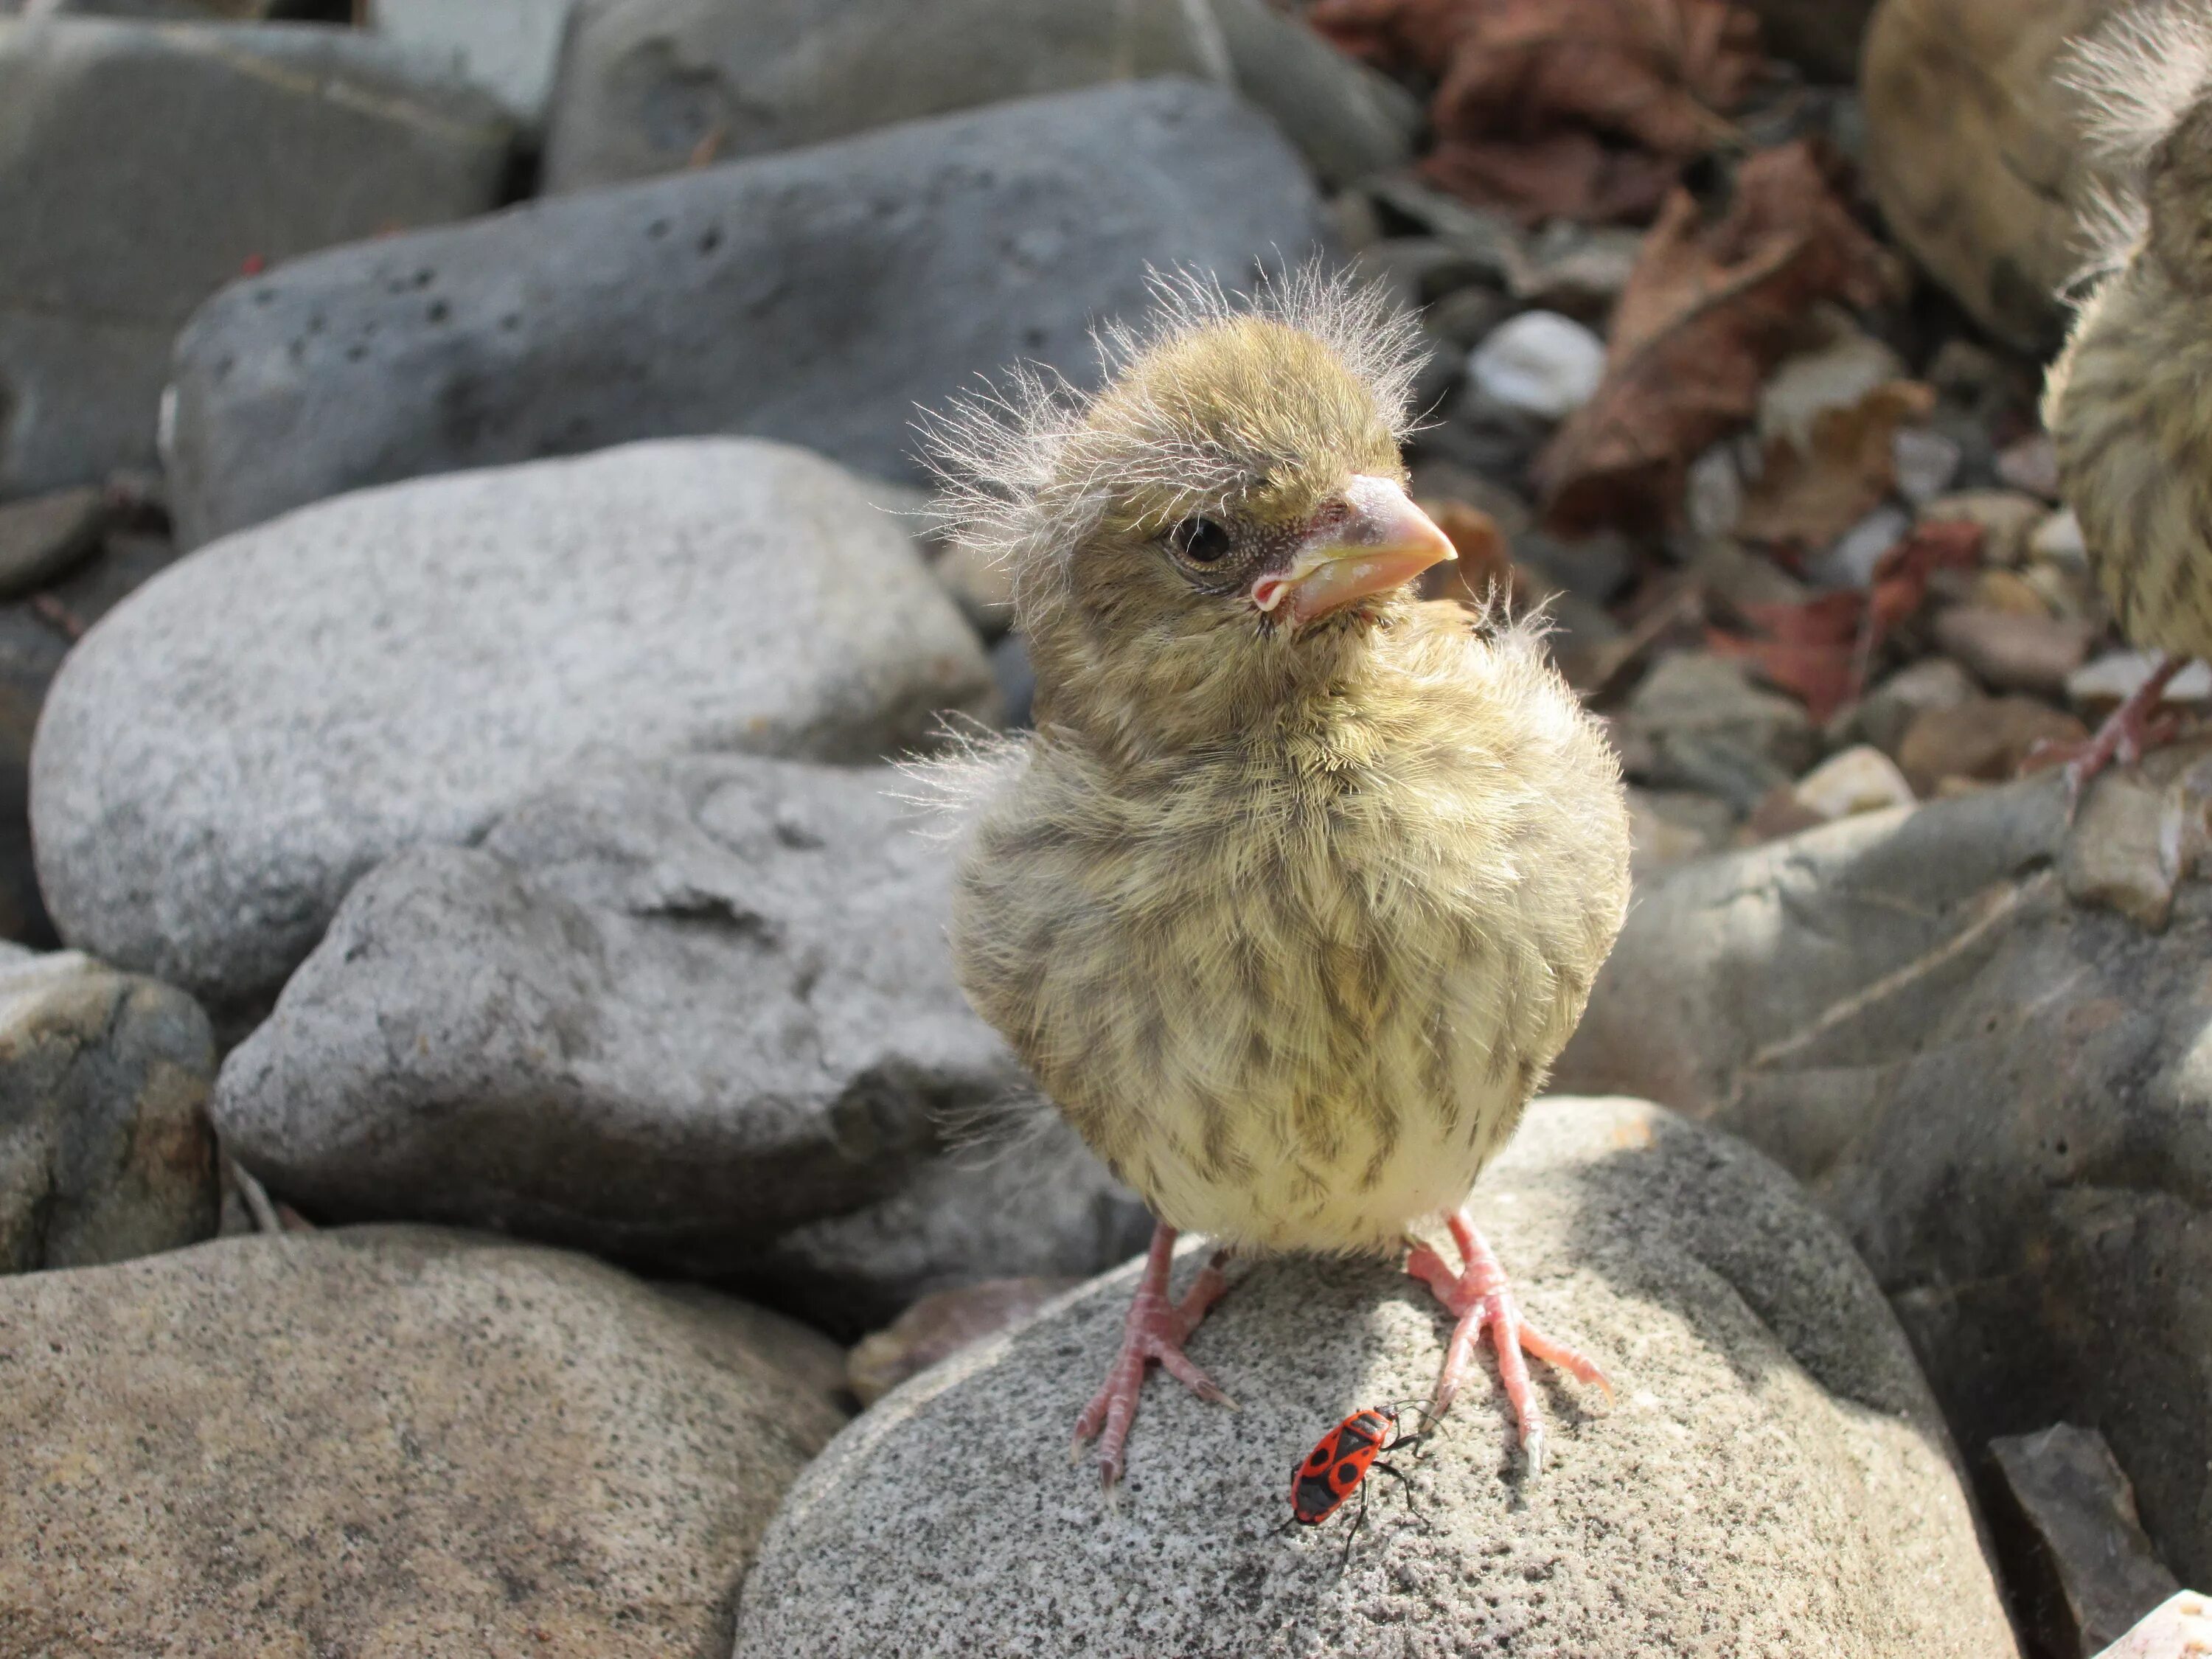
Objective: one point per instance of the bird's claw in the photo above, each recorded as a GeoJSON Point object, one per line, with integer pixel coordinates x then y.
{"type": "Point", "coordinates": [1478, 1294]}
{"type": "Point", "coordinates": [1153, 1332]}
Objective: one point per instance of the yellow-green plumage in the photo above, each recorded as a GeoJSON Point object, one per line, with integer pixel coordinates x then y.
{"type": "Point", "coordinates": [1291, 924]}
{"type": "Point", "coordinates": [2129, 404]}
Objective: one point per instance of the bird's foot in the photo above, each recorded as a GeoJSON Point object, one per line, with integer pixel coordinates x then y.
{"type": "Point", "coordinates": [1156, 1330]}
{"type": "Point", "coordinates": [1477, 1295]}
{"type": "Point", "coordinates": [2136, 726]}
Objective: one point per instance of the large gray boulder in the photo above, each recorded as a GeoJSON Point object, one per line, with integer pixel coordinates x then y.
{"type": "Point", "coordinates": [1772, 1477]}
{"type": "Point", "coordinates": [141, 167]}
{"type": "Point", "coordinates": [244, 737]}
{"type": "Point", "coordinates": [672, 1014]}
{"type": "Point", "coordinates": [816, 296]}
{"type": "Point", "coordinates": [104, 1148]}
{"type": "Point", "coordinates": [383, 1441]}
{"type": "Point", "coordinates": [1960, 1027]}
{"type": "Point", "coordinates": [650, 86]}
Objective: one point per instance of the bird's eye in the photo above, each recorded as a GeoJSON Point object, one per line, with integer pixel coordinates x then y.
{"type": "Point", "coordinates": [1202, 541]}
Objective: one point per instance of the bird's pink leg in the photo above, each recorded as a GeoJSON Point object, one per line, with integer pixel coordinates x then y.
{"type": "Point", "coordinates": [2129, 729]}
{"type": "Point", "coordinates": [1478, 1296]}
{"type": "Point", "coordinates": [1156, 1329]}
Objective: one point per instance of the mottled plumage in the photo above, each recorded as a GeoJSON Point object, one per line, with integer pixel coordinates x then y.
{"type": "Point", "coordinates": [2127, 403]}
{"type": "Point", "coordinates": [1289, 917]}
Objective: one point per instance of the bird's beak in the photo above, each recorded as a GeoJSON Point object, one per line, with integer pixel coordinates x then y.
{"type": "Point", "coordinates": [1379, 541]}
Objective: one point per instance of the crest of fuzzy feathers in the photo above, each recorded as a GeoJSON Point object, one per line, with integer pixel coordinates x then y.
{"type": "Point", "coordinates": [1024, 471]}
{"type": "Point", "coordinates": [2136, 75]}
{"type": "Point", "coordinates": [2135, 78]}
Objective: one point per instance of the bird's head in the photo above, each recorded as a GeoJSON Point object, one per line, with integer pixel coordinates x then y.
{"type": "Point", "coordinates": [1220, 531]}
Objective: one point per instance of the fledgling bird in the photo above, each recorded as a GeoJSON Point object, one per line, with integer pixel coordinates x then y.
{"type": "Point", "coordinates": [1300, 884]}
{"type": "Point", "coordinates": [2129, 403]}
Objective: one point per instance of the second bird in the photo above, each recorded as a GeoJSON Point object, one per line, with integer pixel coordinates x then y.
{"type": "Point", "coordinates": [1301, 884]}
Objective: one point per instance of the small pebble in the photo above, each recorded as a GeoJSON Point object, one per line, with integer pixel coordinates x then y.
{"type": "Point", "coordinates": [2031, 465]}
{"type": "Point", "coordinates": [1539, 363]}
{"type": "Point", "coordinates": [1851, 563]}
{"type": "Point", "coordinates": [2010, 651]}
{"type": "Point", "coordinates": [1859, 779]}
{"type": "Point", "coordinates": [1715, 496]}
{"type": "Point", "coordinates": [2007, 517]}
{"type": "Point", "coordinates": [2125, 850]}
{"type": "Point", "coordinates": [1985, 740]}
{"type": "Point", "coordinates": [2100, 686]}
{"type": "Point", "coordinates": [2058, 540]}
{"type": "Point", "coordinates": [1926, 463]}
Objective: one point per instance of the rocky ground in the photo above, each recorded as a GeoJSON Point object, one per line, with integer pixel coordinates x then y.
{"type": "Point", "coordinates": [490, 1146]}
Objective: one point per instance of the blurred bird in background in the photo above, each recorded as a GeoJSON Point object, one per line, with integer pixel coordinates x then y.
{"type": "Point", "coordinates": [1301, 884]}
{"type": "Point", "coordinates": [2129, 403]}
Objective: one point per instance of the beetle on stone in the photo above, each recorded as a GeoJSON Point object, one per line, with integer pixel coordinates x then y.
{"type": "Point", "coordinates": [1339, 1466]}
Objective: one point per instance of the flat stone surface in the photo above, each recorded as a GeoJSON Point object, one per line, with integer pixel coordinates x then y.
{"type": "Point", "coordinates": [697, 1016]}
{"type": "Point", "coordinates": [104, 1148]}
{"type": "Point", "coordinates": [226, 752]}
{"type": "Point", "coordinates": [816, 296]}
{"type": "Point", "coordinates": [652, 86]}
{"type": "Point", "coordinates": [206, 150]}
{"type": "Point", "coordinates": [1773, 1477]}
{"type": "Point", "coordinates": [2181, 1629]}
{"type": "Point", "coordinates": [2004, 1096]}
{"type": "Point", "coordinates": [511, 48]}
{"type": "Point", "coordinates": [2065, 1517]}
{"type": "Point", "coordinates": [1706, 727]}
{"type": "Point", "coordinates": [43, 537]}
{"type": "Point", "coordinates": [381, 1441]}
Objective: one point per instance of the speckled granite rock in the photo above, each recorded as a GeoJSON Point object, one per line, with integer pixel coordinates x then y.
{"type": "Point", "coordinates": [238, 741]}
{"type": "Point", "coordinates": [1773, 1479]}
{"type": "Point", "coordinates": [104, 1148]}
{"type": "Point", "coordinates": [697, 1016]}
{"type": "Point", "coordinates": [381, 1441]}
{"type": "Point", "coordinates": [1992, 1072]}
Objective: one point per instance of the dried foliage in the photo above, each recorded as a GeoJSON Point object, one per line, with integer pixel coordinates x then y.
{"type": "Point", "coordinates": [1579, 109]}
{"type": "Point", "coordinates": [1806, 498]}
{"type": "Point", "coordinates": [1821, 651]}
{"type": "Point", "coordinates": [1710, 310]}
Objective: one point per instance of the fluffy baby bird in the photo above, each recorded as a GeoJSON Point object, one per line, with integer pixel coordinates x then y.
{"type": "Point", "coordinates": [1301, 883]}
{"type": "Point", "coordinates": [2129, 404]}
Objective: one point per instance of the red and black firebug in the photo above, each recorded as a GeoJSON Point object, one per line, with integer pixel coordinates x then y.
{"type": "Point", "coordinates": [1339, 1466]}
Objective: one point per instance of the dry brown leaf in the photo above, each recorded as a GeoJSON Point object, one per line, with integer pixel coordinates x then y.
{"type": "Point", "coordinates": [1580, 109]}
{"type": "Point", "coordinates": [1809, 650]}
{"type": "Point", "coordinates": [1709, 311]}
{"type": "Point", "coordinates": [1806, 498]}
{"type": "Point", "coordinates": [1821, 651]}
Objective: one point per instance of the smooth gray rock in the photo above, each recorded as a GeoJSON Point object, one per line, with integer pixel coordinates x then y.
{"type": "Point", "coordinates": [816, 296]}
{"type": "Point", "coordinates": [673, 1014]}
{"type": "Point", "coordinates": [47, 536]}
{"type": "Point", "coordinates": [1772, 1477]}
{"type": "Point", "coordinates": [2004, 1095]}
{"type": "Point", "coordinates": [649, 87]}
{"type": "Point", "coordinates": [104, 1148]}
{"type": "Point", "coordinates": [511, 48]}
{"type": "Point", "coordinates": [143, 165]}
{"type": "Point", "coordinates": [1703, 725]}
{"type": "Point", "coordinates": [386, 1440]}
{"type": "Point", "coordinates": [233, 745]}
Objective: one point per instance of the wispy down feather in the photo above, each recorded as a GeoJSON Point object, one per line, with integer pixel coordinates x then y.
{"type": "Point", "coordinates": [1021, 471]}
{"type": "Point", "coordinates": [2134, 77]}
